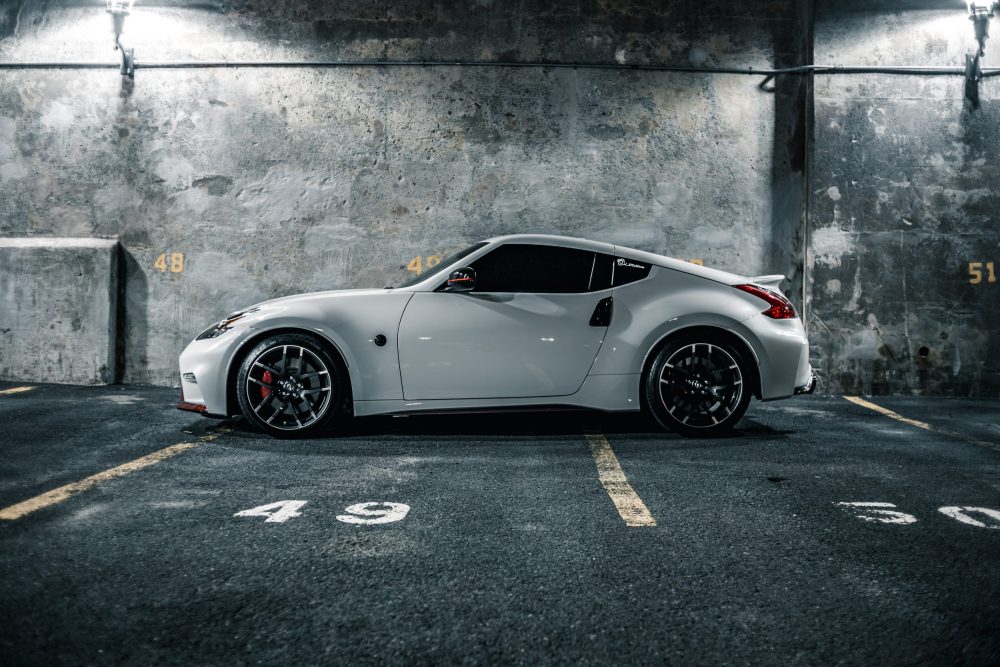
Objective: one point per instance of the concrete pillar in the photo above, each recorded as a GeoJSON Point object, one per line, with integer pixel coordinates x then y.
{"type": "Point", "coordinates": [59, 310]}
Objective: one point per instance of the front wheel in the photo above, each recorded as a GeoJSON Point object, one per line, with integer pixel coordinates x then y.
{"type": "Point", "coordinates": [697, 387]}
{"type": "Point", "coordinates": [288, 385]}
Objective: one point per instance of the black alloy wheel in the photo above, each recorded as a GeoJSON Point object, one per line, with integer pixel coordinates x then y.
{"type": "Point", "coordinates": [698, 387]}
{"type": "Point", "coordinates": [289, 385]}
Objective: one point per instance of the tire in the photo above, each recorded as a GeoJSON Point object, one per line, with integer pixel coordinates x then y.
{"type": "Point", "coordinates": [289, 385]}
{"type": "Point", "coordinates": [697, 386]}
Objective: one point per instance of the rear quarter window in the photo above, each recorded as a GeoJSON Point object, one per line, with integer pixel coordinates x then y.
{"type": "Point", "coordinates": [629, 271]}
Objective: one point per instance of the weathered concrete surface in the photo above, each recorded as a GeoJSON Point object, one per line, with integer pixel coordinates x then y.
{"type": "Point", "coordinates": [512, 552]}
{"type": "Point", "coordinates": [58, 310]}
{"type": "Point", "coordinates": [271, 182]}
{"type": "Point", "coordinates": [905, 198]}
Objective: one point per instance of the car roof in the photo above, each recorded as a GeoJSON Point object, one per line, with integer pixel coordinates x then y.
{"type": "Point", "coordinates": [631, 253]}
{"type": "Point", "coordinates": [552, 239]}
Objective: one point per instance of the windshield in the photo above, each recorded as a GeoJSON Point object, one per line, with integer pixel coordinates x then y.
{"type": "Point", "coordinates": [445, 263]}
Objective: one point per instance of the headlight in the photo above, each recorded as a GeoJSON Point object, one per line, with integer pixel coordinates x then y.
{"type": "Point", "coordinates": [225, 325]}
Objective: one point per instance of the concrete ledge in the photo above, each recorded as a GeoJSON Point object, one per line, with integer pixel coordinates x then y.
{"type": "Point", "coordinates": [58, 310]}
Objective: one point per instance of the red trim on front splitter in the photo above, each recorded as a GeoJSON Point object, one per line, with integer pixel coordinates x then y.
{"type": "Point", "coordinates": [191, 407]}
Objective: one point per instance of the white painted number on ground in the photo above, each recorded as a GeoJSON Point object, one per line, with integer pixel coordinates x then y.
{"type": "Point", "coordinates": [879, 512]}
{"type": "Point", "coordinates": [278, 512]}
{"type": "Point", "coordinates": [362, 513]}
{"type": "Point", "coordinates": [374, 513]}
{"type": "Point", "coordinates": [962, 514]}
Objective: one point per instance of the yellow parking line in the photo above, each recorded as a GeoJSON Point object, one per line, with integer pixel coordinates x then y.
{"type": "Point", "coordinates": [60, 494]}
{"type": "Point", "coordinates": [888, 413]}
{"type": "Point", "coordinates": [14, 390]}
{"type": "Point", "coordinates": [919, 424]}
{"type": "Point", "coordinates": [609, 471]}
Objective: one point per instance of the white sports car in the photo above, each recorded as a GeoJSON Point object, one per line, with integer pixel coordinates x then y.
{"type": "Point", "coordinates": [512, 322]}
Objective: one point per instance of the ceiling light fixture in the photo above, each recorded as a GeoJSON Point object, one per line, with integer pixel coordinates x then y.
{"type": "Point", "coordinates": [118, 10]}
{"type": "Point", "coordinates": [980, 14]}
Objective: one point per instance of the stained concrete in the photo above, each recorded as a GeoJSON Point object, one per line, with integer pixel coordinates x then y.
{"type": "Point", "coordinates": [58, 310]}
{"type": "Point", "coordinates": [512, 552]}
{"type": "Point", "coordinates": [277, 181]}
{"type": "Point", "coordinates": [904, 198]}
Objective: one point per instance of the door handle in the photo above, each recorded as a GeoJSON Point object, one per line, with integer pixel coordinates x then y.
{"type": "Point", "coordinates": [602, 313]}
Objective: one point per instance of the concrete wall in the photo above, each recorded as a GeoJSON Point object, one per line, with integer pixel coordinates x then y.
{"type": "Point", "coordinates": [276, 181]}
{"type": "Point", "coordinates": [905, 197]}
{"type": "Point", "coordinates": [58, 310]}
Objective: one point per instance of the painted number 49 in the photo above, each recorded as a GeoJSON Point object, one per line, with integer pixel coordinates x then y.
{"type": "Point", "coordinates": [362, 514]}
{"type": "Point", "coordinates": [419, 264]}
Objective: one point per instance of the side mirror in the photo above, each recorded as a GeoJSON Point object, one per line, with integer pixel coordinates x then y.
{"type": "Point", "coordinates": [462, 280]}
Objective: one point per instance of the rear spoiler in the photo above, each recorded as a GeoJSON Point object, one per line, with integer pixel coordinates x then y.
{"type": "Point", "coordinates": [771, 282]}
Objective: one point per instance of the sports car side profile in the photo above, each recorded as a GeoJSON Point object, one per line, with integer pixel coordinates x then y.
{"type": "Point", "coordinates": [511, 322]}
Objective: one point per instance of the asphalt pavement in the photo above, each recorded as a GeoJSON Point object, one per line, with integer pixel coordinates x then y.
{"type": "Point", "coordinates": [824, 532]}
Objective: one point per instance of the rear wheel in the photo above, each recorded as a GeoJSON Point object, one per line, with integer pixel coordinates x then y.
{"type": "Point", "coordinates": [289, 385]}
{"type": "Point", "coordinates": [697, 387]}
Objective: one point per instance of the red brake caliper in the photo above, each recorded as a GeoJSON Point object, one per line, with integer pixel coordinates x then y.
{"type": "Point", "coordinates": [266, 391]}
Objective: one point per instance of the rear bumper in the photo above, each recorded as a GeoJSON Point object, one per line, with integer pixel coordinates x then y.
{"type": "Point", "coordinates": [807, 388]}
{"type": "Point", "coordinates": [783, 354]}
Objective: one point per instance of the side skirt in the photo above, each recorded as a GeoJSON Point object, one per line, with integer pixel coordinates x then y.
{"type": "Point", "coordinates": [612, 393]}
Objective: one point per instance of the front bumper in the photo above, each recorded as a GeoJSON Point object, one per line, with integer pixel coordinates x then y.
{"type": "Point", "coordinates": [204, 366]}
{"type": "Point", "coordinates": [200, 408]}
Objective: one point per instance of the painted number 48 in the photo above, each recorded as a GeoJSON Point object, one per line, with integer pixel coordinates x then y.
{"type": "Point", "coordinates": [174, 262]}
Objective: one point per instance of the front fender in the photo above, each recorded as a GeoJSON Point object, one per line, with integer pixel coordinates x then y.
{"type": "Point", "coordinates": [350, 321]}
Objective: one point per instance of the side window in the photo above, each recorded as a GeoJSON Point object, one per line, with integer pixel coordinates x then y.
{"type": "Point", "coordinates": [629, 270]}
{"type": "Point", "coordinates": [534, 268]}
{"type": "Point", "coordinates": [603, 270]}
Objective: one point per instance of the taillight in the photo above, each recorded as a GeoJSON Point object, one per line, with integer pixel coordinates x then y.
{"type": "Point", "coordinates": [780, 307]}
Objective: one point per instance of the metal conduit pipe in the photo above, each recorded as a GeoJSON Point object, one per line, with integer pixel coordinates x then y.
{"type": "Point", "coordinates": [749, 71]}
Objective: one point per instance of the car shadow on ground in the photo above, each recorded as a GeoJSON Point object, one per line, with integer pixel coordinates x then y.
{"type": "Point", "coordinates": [514, 425]}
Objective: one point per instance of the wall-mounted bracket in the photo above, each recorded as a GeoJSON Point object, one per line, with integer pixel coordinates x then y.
{"type": "Point", "coordinates": [973, 75]}
{"type": "Point", "coordinates": [118, 10]}
{"type": "Point", "coordinates": [128, 62]}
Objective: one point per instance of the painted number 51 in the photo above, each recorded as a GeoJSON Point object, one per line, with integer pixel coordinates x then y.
{"type": "Point", "coordinates": [976, 272]}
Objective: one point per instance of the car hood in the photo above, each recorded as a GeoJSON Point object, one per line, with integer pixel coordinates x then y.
{"type": "Point", "coordinates": [265, 309]}
{"type": "Point", "coordinates": [316, 296]}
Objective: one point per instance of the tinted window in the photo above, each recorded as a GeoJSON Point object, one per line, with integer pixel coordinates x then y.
{"type": "Point", "coordinates": [534, 268]}
{"type": "Point", "coordinates": [629, 270]}
{"type": "Point", "coordinates": [603, 269]}
{"type": "Point", "coordinates": [443, 264]}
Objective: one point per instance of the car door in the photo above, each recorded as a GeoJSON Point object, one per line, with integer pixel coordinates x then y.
{"type": "Point", "coordinates": [528, 329]}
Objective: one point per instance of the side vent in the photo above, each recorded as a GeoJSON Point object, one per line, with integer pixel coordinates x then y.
{"type": "Point", "coordinates": [602, 314]}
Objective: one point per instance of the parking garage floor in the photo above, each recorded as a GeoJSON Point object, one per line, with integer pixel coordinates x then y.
{"type": "Point", "coordinates": [827, 530]}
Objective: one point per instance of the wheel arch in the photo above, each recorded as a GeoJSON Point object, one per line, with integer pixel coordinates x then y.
{"type": "Point", "coordinates": [232, 402]}
{"type": "Point", "coordinates": [739, 343]}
